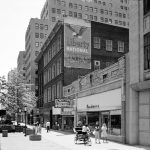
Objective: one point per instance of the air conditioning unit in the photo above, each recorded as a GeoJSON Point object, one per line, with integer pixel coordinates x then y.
{"type": "Point", "coordinates": [96, 64]}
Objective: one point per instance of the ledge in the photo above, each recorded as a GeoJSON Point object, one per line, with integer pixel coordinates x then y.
{"type": "Point", "coordinates": [141, 86]}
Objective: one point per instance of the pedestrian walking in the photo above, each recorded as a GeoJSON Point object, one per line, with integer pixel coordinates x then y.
{"type": "Point", "coordinates": [39, 128]}
{"type": "Point", "coordinates": [48, 126]}
{"type": "Point", "coordinates": [97, 133]}
{"type": "Point", "coordinates": [104, 132]}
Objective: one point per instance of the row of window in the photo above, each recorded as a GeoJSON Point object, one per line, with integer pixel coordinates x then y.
{"type": "Point", "coordinates": [93, 18]}
{"type": "Point", "coordinates": [38, 44]}
{"type": "Point", "coordinates": [109, 44]}
{"type": "Point", "coordinates": [54, 70]}
{"type": "Point", "coordinates": [95, 10]}
{"type": "Point", "coordinates": [53, 50]}
{"type": "Point", "coordinates": [76, 6]}
{"type": "Point", "coordinates": [41, 26]}
{"type": "Point", "coordinates": [53, 92]}
{"type": "Point", "coordinates": [40, 35]}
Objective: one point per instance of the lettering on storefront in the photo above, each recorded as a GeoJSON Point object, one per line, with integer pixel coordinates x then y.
{"type": "Point", "coordinates": [92, 106]}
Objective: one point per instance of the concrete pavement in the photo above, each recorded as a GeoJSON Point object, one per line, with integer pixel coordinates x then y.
{"type": "Point", "coordinates": [57, 140]}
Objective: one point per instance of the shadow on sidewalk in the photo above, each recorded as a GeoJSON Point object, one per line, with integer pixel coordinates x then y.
{"type": "Point", "coordinates": [63, 132]}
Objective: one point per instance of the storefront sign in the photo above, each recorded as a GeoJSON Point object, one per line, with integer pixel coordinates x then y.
{"type": "Point", "coordinates": [67, 111]}
{"type": "Point", "coordinates": [92, 106]}
{"type": "Point", "coordinates": [63, 103]}
{"type": "Point", "coordinates": [77, 44]}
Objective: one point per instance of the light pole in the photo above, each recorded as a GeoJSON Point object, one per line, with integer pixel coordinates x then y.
{"type": "Point", "coordinates": [25, 111]}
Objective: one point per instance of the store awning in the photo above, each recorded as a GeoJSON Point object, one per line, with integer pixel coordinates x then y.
{"type": "Point", "coordinates": [109, 100]}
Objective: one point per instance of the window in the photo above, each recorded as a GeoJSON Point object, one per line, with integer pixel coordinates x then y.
{"type": "Point", "coordinates": [95, 1]}
{"type": "Point", "coordinates": [97, 42]}
{"type": "Point", "coordinates": [70, 5]}
{"type": "Point", "coordinates": [46, 27]}
{"type": "Point", "coordinates": [53, 92]}
{"type": "Point", "coordinates": [147, 51]}
{"type": "Point", "coordinates": [99, 2]}
{"type": "Point", "coordinates": [75, 6]}
{"type": "Point", "coordinates": [45, 95]}
{"type": "Point", "coordinates": [120, 15]}
{"type": "Point", "coordinates": [91, 9]}
{"type": "Point", "coordinates": [124, 23]}
{"type": "Point", "coordinates": [95, 18]}
{"type": "Point", "coordinates": [116, 14]}
{"type": "Point", "coordinates": [36, 26]}
{"type": "Point", "coordinates": [59, 89]}
{"type": "Point", "coordinates": [116, 21]}
{"type": "Point", "coordinates": [41, 43]}
{"type": "Point", "coordinates": [102, 19]}
{"type": "Point", "coordinates": [58, 2]}
{"type": "Point", "coordinates": [110, 13]}
{"type": "Point", "coordinates": [41, 26]}
{"type": "Point", "coordinates": [86, 16]}
{"type": "Point", "coordinates": [70, 13]}
{"type": "Point", "coordinates": [36, 35]}
{"type": "Point", "coordinates": [86, 8]}
{"type": "Point", "coordinates": [45, 36]}
{"type": "Point", "coordinates": [106, 20]}
{"type": "Point", "coordinates": [120, 22]}
{"type": "Point", "coordinates": [37, 44]}
{"type": "Point", "coordinates": [58, 11]}
{"type": "Point", "coordinates": [63, 12]}
{"type": "Point", "coordinates": [53, 19]}
{"type": "Point", "coordinates": [59, 66]}
{"type": "Point", "coordinates": [79, 15]}
{"type": "Point", "coordinates": [110, 21]}
{"type": "Point", "coordinates": [104, 3]}
{"type": "Point", "coordinates": [102, 11]}
{"type": "Point", "coordinates": [120, 46]}
{"type": "Point", "coordinates": [108, 45]}
{"type": "Point", "coordinates": [41, 35]}
{"type": "Point", "coordinates": [124, 15]}
{"type": "Point", "coordinates": [91, 17]}
{"type": "Point", "coordinates": [75, 14]}
{"type": "Point", "coordinates": [63, 3]}
{"type": "Point", "coordinates": [106, 12]}
{"type": "Point", "coordinates": [95, 10]}
{"type": "Point", "coordinates": [53, 10]}
{"type": "Point", "coordinates": [80, 7]}
{"type": "Point", "coordinates": [49, 94]}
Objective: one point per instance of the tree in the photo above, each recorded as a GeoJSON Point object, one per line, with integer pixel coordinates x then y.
{"type": "Point", "coordinates": [18, 94]}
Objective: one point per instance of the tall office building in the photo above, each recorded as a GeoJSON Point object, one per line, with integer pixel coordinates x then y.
{"type": "Point", "coordinates": [138, 92]}
{"type": "Point", "coordinates": [35, 36]}
{"type": "Point", "coordinates": [21, 63]}
{"type": "Point", "coordinates": [112, 12]}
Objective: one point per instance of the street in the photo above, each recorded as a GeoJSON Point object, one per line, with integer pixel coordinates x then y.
{"type": "Point", "coordinates": [57, 140]}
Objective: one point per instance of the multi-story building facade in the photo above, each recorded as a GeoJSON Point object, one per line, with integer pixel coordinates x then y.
{"type": "Point", "coordinates": [36, 34]}
{"type": "Point", "coordinates": [112, 12]}
{"type": "Point", "coordinates": [21, 63]}
{"type": "Point", "coordinates": [67, 55]}
{"type": "Point", "coordinates": [138, 91]}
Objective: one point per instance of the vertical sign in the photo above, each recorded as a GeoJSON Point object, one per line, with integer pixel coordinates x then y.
{"type": "Point", "coordinates": [77, 44]}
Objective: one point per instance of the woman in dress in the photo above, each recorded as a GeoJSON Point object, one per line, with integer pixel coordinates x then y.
{"type": "Point", "coordinates": [97, 138]}
{"type": "Point", "coordinates": [104, 132]}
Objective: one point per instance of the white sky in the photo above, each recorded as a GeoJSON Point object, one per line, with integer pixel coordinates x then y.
{"type": "Point", "coordinates": [14, 19]}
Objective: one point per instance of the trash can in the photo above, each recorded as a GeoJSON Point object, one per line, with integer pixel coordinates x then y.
{"type": "Point", "coordinates": [5, 133]}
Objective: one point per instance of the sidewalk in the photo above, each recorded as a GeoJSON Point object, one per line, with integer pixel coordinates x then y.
{"type": "Point", "coordinates": [57, 140]}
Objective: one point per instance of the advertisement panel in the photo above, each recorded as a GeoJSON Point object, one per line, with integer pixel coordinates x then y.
{"type": "Point", "coordinates": [63, 103]}
{"type": "Point", "coordinates": [77, 44]}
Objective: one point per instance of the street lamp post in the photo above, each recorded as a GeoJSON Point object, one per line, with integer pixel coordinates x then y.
{"type": "Point", "coordinates": [25, 111]}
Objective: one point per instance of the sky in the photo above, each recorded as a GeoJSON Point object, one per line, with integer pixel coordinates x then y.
{"type": "Point", "coordinates": [14, 19]}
